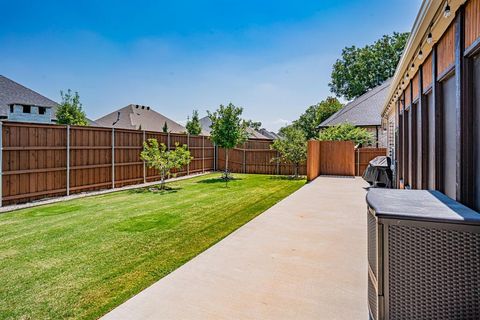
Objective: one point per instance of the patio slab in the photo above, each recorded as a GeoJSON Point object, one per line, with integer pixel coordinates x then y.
{"type": "Point", "coordinates": [304, 258]}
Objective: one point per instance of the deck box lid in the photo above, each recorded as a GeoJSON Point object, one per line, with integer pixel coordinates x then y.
{"type": "Point", "coordinates": [419, 205]}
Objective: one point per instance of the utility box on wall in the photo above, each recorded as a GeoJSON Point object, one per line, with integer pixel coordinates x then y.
{"type": "Point", "coordinates": [423, 256]}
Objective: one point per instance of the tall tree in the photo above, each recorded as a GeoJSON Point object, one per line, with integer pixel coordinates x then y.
{"type": "Point", "coordinates": [361, 69]}
{"type": "Point", "coordinates": [158, 157]}
{"type": "Point", "coordinates": [314, 115]}
{"type": "Point", "coordinates": [165, 127]}
{"type": "Point", "coordinates": [193, 126]}
{"type": "Point", "coordinates": [228, 129]}
{"type": "Point", "coordinates": [70, 110]}
{"type": "Point", "coordinates": [292, 147]}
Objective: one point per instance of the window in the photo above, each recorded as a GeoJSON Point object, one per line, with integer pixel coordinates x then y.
{"type": "Point", "coordinates": [476, 139]}
{"type": "Point", "coordinates": [449, 170]}
{"type": "Point", "coordinates": [27, 109]}
{"type": "Point", "coordinates": [431, 141]}
{"type": "Point", "coordinates": [11, 108]}
{"type": "Point", "coordinates": [42, 110]}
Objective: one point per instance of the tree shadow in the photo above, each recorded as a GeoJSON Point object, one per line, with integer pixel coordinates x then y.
{"type": "Point", "coordinates": [217, 180]}
{"type": "Point", "coordinates": [156, 190]}
{"type": "Point", "coordinates": [290, 178]}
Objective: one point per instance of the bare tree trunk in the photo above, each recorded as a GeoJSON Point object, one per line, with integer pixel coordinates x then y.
{"type": "Point", "coordinates": [226, 160]}
{"type": "Point", "coordinates": [296, 170]}
{"type": "Point", "coordinates": [162, 180]}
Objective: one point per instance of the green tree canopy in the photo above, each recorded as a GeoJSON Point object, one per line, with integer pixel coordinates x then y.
{"type": "Point", "coordinates": [361, 69]}
{"type": "Point", "coordinates": [292, 147]}
{"type": "Point", "coordinates": [193, 126]}
{"type": "Point", "coordinates": [346, 132]}
{"type": "Point", "coordinates": [70, 110]}
{"type": "Point", "coordinates": [158, 157]}
{"type": "Point", "coordinates": [165, 127]}
{"type": "Point", "coordinates": [228, 129]}
{"type": "Point", "coordinates": [314, 115]}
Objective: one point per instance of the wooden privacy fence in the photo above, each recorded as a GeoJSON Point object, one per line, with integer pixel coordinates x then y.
{"type": "Point", "coordinates": [330, 158]}
{"type": "Point", "coordinates": [256, 156]}
{"type": "Point", "coordinates": [41, 160]}
{"type": "Point", "coordinates": [338, 158]}
{"type": "Point", "coordinates": [364, 155]}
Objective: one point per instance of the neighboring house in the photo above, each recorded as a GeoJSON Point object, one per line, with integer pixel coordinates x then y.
{"type": "Point", "coordinates": [206, 124]}
{"type": "Point", "coordinates": [364, 111]}
{"type": "Point", "coordinates": [269, 134]}
{"type": "Point", "coordinates": [138, 117]}
{"type": "Point", "coordinates": [18, 103]}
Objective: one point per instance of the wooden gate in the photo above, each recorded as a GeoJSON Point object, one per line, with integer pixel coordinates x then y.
{"type": "Point", "coordinates": [330, 158]}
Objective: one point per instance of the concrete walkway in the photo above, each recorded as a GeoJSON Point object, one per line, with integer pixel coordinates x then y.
{"type": "Point", "coordinates": [304, 258]}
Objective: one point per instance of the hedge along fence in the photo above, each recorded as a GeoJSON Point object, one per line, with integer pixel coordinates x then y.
{"type": "Point", "coordinates": [256, 156]}
{"type": "Point", "coordinates": [44, 160]}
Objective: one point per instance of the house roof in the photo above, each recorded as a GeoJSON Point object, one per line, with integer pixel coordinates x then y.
{"type": "Point", "coordinates": [269, 134]}
{"type": "Point", "coordinates": [206, 124]}
{"type": "Point", "coordinates": [363, 111]}
{"type": "Point", "coordinates": [137, 117]}
{"type": "Point", "coordinates": [12, 92]}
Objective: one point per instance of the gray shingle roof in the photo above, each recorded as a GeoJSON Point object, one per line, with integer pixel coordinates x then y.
{"type": "Point", "coordinates": [137, 117]}
{"type": "Point", "coordinates": [363, 111]}
{"type": "Point", "coordinates": [14, 93]}
{"type": "Point", "coordinates": [206, 123]}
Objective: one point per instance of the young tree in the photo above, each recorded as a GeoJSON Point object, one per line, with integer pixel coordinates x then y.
{"type": "Point", "coordinates": [158, 157]}
{"type": "Point", "coordinates": [193, 126]}
{"type": "Point", "coordinates": [292, 147]}
{"type": "Point", "coordinates": [361, 69]}
{"type": "Point", "coordinates": [346, 132]}
{"type": "Point", "coordinates": [165, 127]}
{"type": "Point", "coordinates": [314, 115]}
{"type": "Point", "coordinates": [70, 110]}
{"type": "Point", "coordinates": [228, 129]}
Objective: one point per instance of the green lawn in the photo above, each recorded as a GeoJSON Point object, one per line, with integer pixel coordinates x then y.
{"type": "Point", "coordinates": [81, 258]}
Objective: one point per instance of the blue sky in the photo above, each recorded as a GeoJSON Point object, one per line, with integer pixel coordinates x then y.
{"type": "Point", "coordinates": [273, 58]}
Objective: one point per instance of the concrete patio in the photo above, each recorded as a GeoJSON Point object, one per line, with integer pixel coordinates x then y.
{"type": "Point", "coordinates": [304, 258]}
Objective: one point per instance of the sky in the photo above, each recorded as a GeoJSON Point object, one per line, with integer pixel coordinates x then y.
{"type": "Point", "coordinates": [273, 58]}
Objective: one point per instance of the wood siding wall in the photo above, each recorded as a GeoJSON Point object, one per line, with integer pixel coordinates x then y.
{"type": "Point", "coordinates": [408, 99]}
{"type": "Point", "coordinates": [427, 73]}
{"type": "Point", "coordinates": [446, 51]}
{"type": "Point", "coordinates": [472, 22]}
{"type": "Point", "coordinates": [415, 86]}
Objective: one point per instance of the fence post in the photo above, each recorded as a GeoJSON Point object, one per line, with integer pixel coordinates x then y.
{"type": "Point", "coordinates": [203, 154]}
{"type": "Point", "coordinates": [144, 165]}
{"type": "Point", "coordinates": [244, 158]}
{"type": "Point", "coordinates": [358, 162]}
{"type": "Point", "coordinates": [168, 140]}
{"type": "Point", "coordinates": [278, 163]}
{"type": "Point", "coordinates": [188, 147]}
{"type": "Point", "coordinates": [68, 160]}
{"type": "Point", "coordinates": [214, 157]}
{"type": "Point", "coordinates": [113, 158]}
{"type": "Point", "coordinates": [1, 163]}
